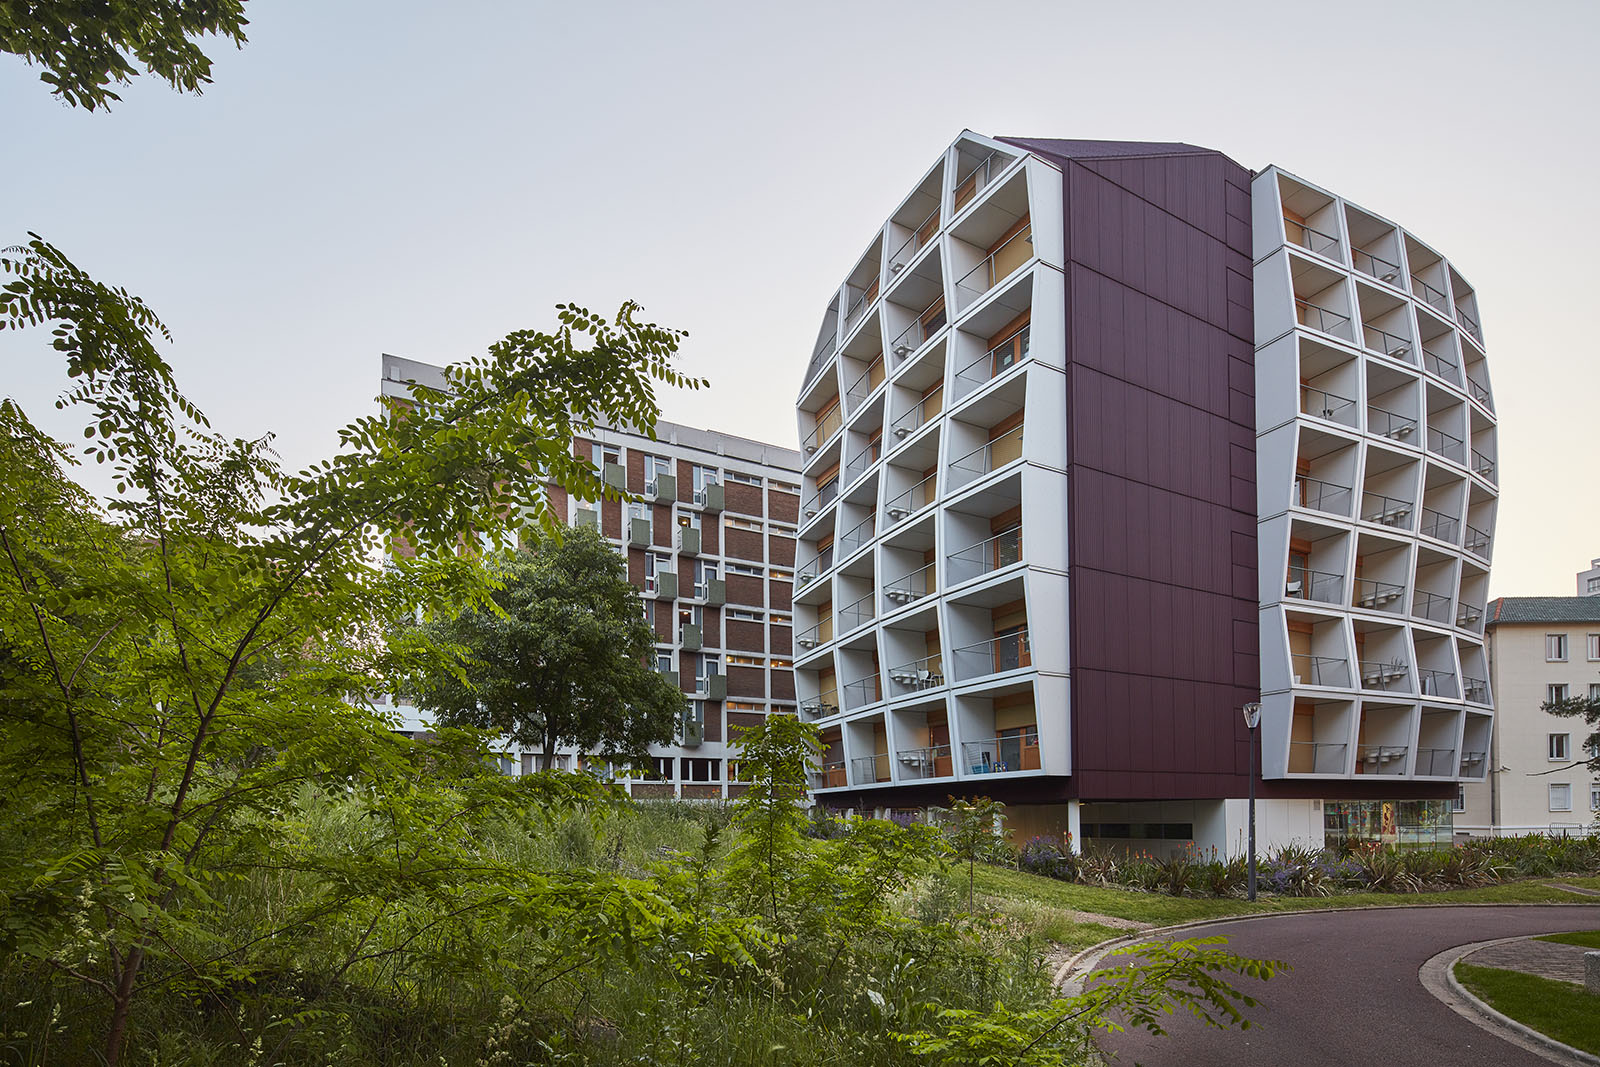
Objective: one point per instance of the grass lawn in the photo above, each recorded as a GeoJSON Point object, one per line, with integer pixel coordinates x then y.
{"type": "Point", "coordinates": [1586, 938]}
{"type": "Point", "coordinates": [1052, 898]}
{"type": "Point", "coordinates": [1582, 883]}
{"type": "Point", "coordinates": [1560, 1009]}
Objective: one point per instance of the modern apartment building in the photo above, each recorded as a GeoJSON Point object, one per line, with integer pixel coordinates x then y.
{"type": "Point", "coordinates": [1589, 580]}
{"type": "Point", "coordinates": [1541, 649]}
{"type": "Point", "coordinates": [1104, 440]}
{"type": "Point", "coordinates": [711, 551]}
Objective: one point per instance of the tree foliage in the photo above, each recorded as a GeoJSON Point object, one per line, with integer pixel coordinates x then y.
{"type": "Point", "coordinates": [558, 657]}
{"type": "Point", "coordinates": [86, 46]}
{"type": "Point", "coordinates": [1586, 708]}
{"type": "Point", "coordinates": [177, 663]}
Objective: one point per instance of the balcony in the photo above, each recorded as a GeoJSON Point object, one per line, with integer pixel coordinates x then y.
{"type": "Point", "coordinates": [1477, 542]}
{"type": "Point", "coordinates": [1006, 448]}
{"type": "Point", "coordinates": [1325, 320]}
{"type": "Point", "coordinates": [1324, 496]}
{"type": "Point", "coordinates": [819, 634]}
{"type": "Point", "coordinates": [1438, 525]}
{"type": "Point", "coordinates": [1479, 391]}
{"type": "Point", "coordinates": [1430, 295]}
{"type": "Point", "coordinates": [712, 498]}
{"type": "Point", "coordinates": [639, 533]}
{"type": "Point", "coordinates": [1385, 423]}
{"type": "Point", "coordinates": [688, 541]}
{"type": "Point", "coordinates": [928, 322]}
{"type": "Point", "coordinates": [1393, 676]}
{"type": "Point", "coordinates": [999, 265]}
{"type": "Point", "coordinates": [1437, 683]}
{"type": "Point", "coordinates": [1321, 586]}
{"type": "Point", "coordinates": [999, 551]}
{"type": "Point", "coordinates": [716, 592]}
{"type": "Point", "coordinates": [664, 585]}
{"type": "Point", "coordinates": [1441, 365]}
{"type": "Point", "coordinates": [586, 518]}
{"type": "Point", "coordinates": [826, 494]}
{"type": "Point", "coordinates": [829, 423]}
{"type": "Point", "coordinates": [833, 775]}
{"type": "Point", "coordinates": [1378, 596]}
{"type": "Point", "coordinates": [1386, 510]}
{"type": "Point", "coordinates": [855, 614]}
{"type": "Point", "coordinates": [858, 535]}
{"type": "Point", "coordinates": [714, 686]}
{"type": "Point", "coordinates": [1434, 607]}
{"type": "Point", "coordinates": [995, 362]}
{"type": "Point", "coordinates": [823, 704]}
{"type": "Point", "coordinates": [920, 238]}
{"type": "Point", "coordinates": [866, 770]}
{"type": "Point", "coordinates": [615, 475]}
{"type": "Point", "coordinates": [912, 588]}
{"type": "Point", "coordinates": [1483, 466]}
{"type": "Point", "coordinates": [1299, 234]}
{"type": "Point", "coordinates": [998, 755]}
{"type": "Point", "coordinates": [663, 489]}
{"type": "Point", "coordinates": [917, 676]}
{"type": "Point", "coordinates": [1468, 615]}
{"type": "Point", "coordinates": [931, 761]}
{"type": "Point", "coordinates": [1470, 325]}
{"type": "Point", "coordinates": [862, 461]}
{"type": "Point", "coordinates": [1329, 671]}
{"type": "Point", "coordinates": [689, 637]}
{"type": "Point", "coordinates": [1391, 345]}
{"type": "Point", "coordinates": [1447, 445]}
{"type": "Point", "coordinates": [916, 418]}
{"type": "Point", "coordinates": [1005, 652]}
{"type": "Point", "coordinates": [815, 567]}
{"type": "Point", "coordinates": [1472, 764]}
{"type": "Point", "coordinates": [912, 500]}
{"type": "Point", "coordinates": [1475, 690]}
{"type": "Point", "coordinates": [867, 383]}
{"type": "Point", "coordinates": [1317, 757]}
{"type": "Point", "coordinates": [1375, 266]}
{"type": "Point", "coordinates": [862, 692]}
{"type": "Point", "coordinates": [1382, 759]}
{"type": "Point", "coordinates": [859, 304]}
{"type": "Point", "coordinates": [1437, 762]}
{"type": "Point", "coordinates": [976, 180]}
{"type": "Point", "coordinates": [1325, 405]}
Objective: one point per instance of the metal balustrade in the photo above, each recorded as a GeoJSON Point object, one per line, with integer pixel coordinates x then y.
{"type": "Point", "coordinates": [1483, 466]}
{"type": "Point", "coordinates": [925, 232]}
{"type": "Point", "coordinates": [1322, 496]}
{"type": "Point", "coordinates": [1320, 670]}
{"type": "Point", "coordinates": [1434, 298]}
{"type": "Point", "coordinates": [1432, 606]}
{"type": "Point", "coordinates": [1445, 444]}
{"type": "Point", "coordinates": [825, 495]}
{"type": "Point", "coordinates": [833, 775]}
{"type": "Point", "coordinates": [929, 322]}
{"type": "Point", "coordinates": [1323, 586]}
{"type": "Point", "coordinates": [812, 637]}
{"type": "Point", "coordinates": [1479, 391]}
{"type": "Point", "coordinates": [1471, 325]}
{"type": "Point", "coordinates": [1007, 448]}
{"type": "Point", "coordinates": [999, 755]}
{"type": "Point", "coordinates": [869, 769]}
{"type": "Point", "coordinates": [1440, 366]}
{"type": "Point", "coordinates": [1324, 319]}
{"type": "Point", "coordinates": [855, 614]}
{"type": "Point", "coordinates": [861, 462]}
{"type": "Point", "coordinates": [864, 299]}
{"type": "Point", "coordinates": [913, 587]}
{"type": "Point", "coordinates": [1475, 690]}
{"type": "Point", "coordinates": [1006, 652]}
{"type": "Point", "coordinates": [1323, 244]}
{"type": "Point", "coordinates": [823, 432]}
{"type": "Point", "coordinates": [929, 761]}
{"type": "Point", "coordinates": [864, 386]}
{"type": "Point", "coordinates": [1390, 344]}
{"type": "Point", "coordinates": [917, 676]}
{"type": "Point", "coordinates": [1437, 762]}
{"type": "Point", "coordinates": [858, 535]}
{"type": "Point", "coordinates": [988, 274]}
{"type": "Point", "coordinates": [1378, 596]}
{"type": "Point", "coordinates": [912, 420]}
{"type": "Point", "coordinates": [999, 359]}
{"type": "Point", "coordinates": [912, 500]}
{"type": "Point", "coordinates": [1375, 266]}
{"type": "Point", "coordinates": [1438, 524]}
{"type": "Point", "coordinates": [1387, 676]}
{"type": "Point", "coordinates": [1386, 510]}
{"type": "Point", "coordinates": [862, 692]}
{"type": "Point", "coordinates": [1437, 683]}
{"type": "Point", "coordinates": [1325, 405]}
{"type": "Point", "coordinates": [1477, 541]}
{"type": "Point", "coordinates": [824, 703]}
{"type": "Point", "coordinates": [1385, 423]}
{"type": "Point", "coordinates": [1471, 760]}
{"type": "Point", "coordinates": [1382, 759]}
{"type": "Point", "coordinates": [982, 173]}
{"type": "Point", "coordinates": [815, 567]}
{"type": "Point", "coordinates": [1467, 615]}
{"type": "Point", "coordinates": [999, 551]}
{"type": "Point", "coordinates": [1317, 757]}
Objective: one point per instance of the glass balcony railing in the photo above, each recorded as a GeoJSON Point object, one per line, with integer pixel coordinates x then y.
{"type": "Point", "coordinates": [1386, 676]}
{"type": "Point", "coordinates": [917, 676]}
{"type": "Point", "coordinates": [1319, 670]}
{"type": "Point", "coordinates": [1390, 424]}
{"type": "Point", "coordinates": [864, 386]}
{"type": "Point", "coordinates": [1447, 445]}
{"type": "Point", "coordinates": [1325, 405]}
{"type": "Point", "coordinates": [1321, 586]}
{"type": "Point", "coordinates": [1439, 525]}
{"type": "Point", "coordinates": [1435, 607]}
{"type": "Point", "coordinates": [856, 614]}
{"type": "Point", "coordinates": [1468, 615]}
{"type": "Point", "coordinates": [1324, 319]}
{"type": "Point", "coordinates": [1472, 764]}
{"type": "Point", "coordinates": [976, 180]}
{"type": "Point", "coordinates": [1437, 762]}
{"type": "Point", "coordinates": [823, 432]}
{"type": "Point", "coordinates": [1392, 345]}
{"type": "Point", "coordinates": [1317, 757]}
{"type": "Point", "coordinates": [1376, 266]}
{"type": "Point", "coordinates": [1378, 596]}
{"type": "Point", "coordinates": [859, 304]}
{"type": "Point", "coordinates": [862, 692]}
{"type": "Point", "coordinates": [1299, 234]}
{"type": "Point", "coordinates": [999, 265]}
{"type": "Point", "coordinates": [861, 462]}
{"type": "Point", "coordinates": [999, 551]}
{"type": "Point", "coordinates": [995, 362]}
{"type": "Point", "coordinates": [1382, 759]}
{"type": "Point", "coordinates": [815, 567]}
{"type": "Point", "coordinates": [1431, 296]}
{"type": "Point", "coordinates": [914, 420]}
{"type": "Point", "coordinates": [1440, 366]}
{"type": "Point", "coordinates": [865, 770]}
{"type": "Point", "coordinates": [1437, 683]}
{"type": "Point", "coordinates": [858, 535]}
{"type": "Point", "coordinates": [998, 755]}
{"type": "Point", "coordinates": [826, 494]}
{"type": "Point", "coordinates": [1006, 652]}
{"type": "Point", "coordinates": [1475, 690]}
{"type": "Point", "coordinates": [921, 331]}
{"type": "Point", "coordinates": [1482, 465]}
{"type": "Point", "coordinates": [833, 775]}
{"type": "Point", "coordinates": [912, 588]}
{"type": "Point", "coordinates": [912, 500]}
{"type": "Point", "coordinates": [1386, 510]}
{"type": "Point", "coordinates": [819, 634]}
{"type": "Point", "coordinates": [1322, 496]}
{"type": "Point", "coordinates": [1470, 325]}
{"type": "Point", "coordinates": [931, 761]}
{"type": "Point", "coordinates": [1477, 541]}
{"type": "Point", "coordinates": [1007, 448]}
{"type": "Point", "coordinates": [1479, 391]}
{"type": "Point", "coordinates": [823, 704]}
{"type": "Point", "coordinates": [919, 239]}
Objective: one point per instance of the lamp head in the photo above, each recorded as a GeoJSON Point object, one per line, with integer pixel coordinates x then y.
{"type": "Point", "coordinates": [1252, 715]}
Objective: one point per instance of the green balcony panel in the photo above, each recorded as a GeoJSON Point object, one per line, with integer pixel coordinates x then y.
{"type": "Point", "coordinates": [586, 518]}
{"type": "Point", "coordinates": [717, 687]}
{"type": "Point", "coordinates": [666, 585]}
{"type": "Point", "coordinates": [689, 637]}
{"type": "Point", "coordinates": [639, 533]}
{"type": "Point", "coordinates": [716, 592]}
{"type": "Point", "coordinates": [688, 541]}
{"type": "Point", "coordinates": [665, 489]}
{"type": "Point", "coordinates": [671, 677]}
{"type": "Point", "coordinates": [615, 475]}
{"type": "Point", "coordinates": [712, 498]}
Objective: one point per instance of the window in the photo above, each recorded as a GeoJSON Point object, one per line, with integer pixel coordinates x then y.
{"type": "Point", "coordinates": [704, 573]}
{"type": "Point", "coordinates": [741, 524]}
{"type": "Point", "coordinates": [690, 615]}
{"type": "Point", "coordinates": [744, 661]}
{"type": "Point", "coordinates": [1594, 690]}
{"type": "Point", "coordinates": [1560, 796]}
{"type": "Point", "coordinates": [1555, 694]}
{"type": "Point", "coordinates": [1558, 746]}
{"type": "Point", "coordinates": [704, 476]}
{"type": "Point", "coordinates": [1010, 352]}
{"type": "Point", "coordinates": [655, 467]}
{"type": "Point", "coordinates": [1591, 748]}
{"type": "Point", "coordinates": [611, 455]}
{"type": "Point", "coordinates": [660, 769]}
{"type": "Point", "coordinates": [781, 575]}
{"type": "Point", "coordinates": [780, 619]}
{"type": "Point", "coordinates": [743, 615]}
{"type": "Point", "coordinates": [785, 487]}
{"type": "Point", "coordinates": [639, 511]}
{"type": "Point", "coordinates": [655, 564]}
{"type": "Point", "coordinates": [782, 664]}
{"type": "Point", "coordinates": [703, 670]}
{"type": "Point", "coordinates": [1555, 648]}
{"type": "Point", "coordinates": [664, 662]}
{"type": "Point", "coordinates": [691, 519]}
{"type": "Point", "coordinates": [1594, 798]}
{"type": "Point", "coordinates": [743, 478]}
{"type": "Point", "coordinates": [702, 770]}
{"type": "Point", "coordinates": [1594, 647]}
{"type": "Point", "coordinates": [1594, 585]}
{"type": "Point", "coordinates": [742, 568]}
{"type": "Point", "coordinates": [1461, 799]}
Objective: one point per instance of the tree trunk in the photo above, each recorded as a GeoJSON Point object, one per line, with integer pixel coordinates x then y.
{"type": "Point", "coordinates": [547, 759]}
{"type": "Point", "coordinates": [118, 1034]}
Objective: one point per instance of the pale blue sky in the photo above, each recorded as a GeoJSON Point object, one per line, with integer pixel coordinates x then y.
{"type": "Point", "coordinates": [421, 178]}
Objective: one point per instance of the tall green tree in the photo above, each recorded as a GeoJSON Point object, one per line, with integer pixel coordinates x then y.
{"type": "Point", "coordinates": [559, 657]}
{"type": "Point", "coordinates": [1586, 708]}
{"type": "Point", "coordinates": [177, 659]}
{"type": "Point", "coordinates": [86, 46]}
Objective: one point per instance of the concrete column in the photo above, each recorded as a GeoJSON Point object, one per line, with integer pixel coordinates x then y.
{"type": "Point", "coordinates": [1075, 825]}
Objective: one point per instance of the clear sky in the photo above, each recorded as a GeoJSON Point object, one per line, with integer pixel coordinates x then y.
{"type": "Point", "coordinates": [421, 178]}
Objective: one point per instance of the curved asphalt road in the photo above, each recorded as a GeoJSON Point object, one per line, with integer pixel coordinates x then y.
{"type": "Point", "coordinates": [1353, 996]}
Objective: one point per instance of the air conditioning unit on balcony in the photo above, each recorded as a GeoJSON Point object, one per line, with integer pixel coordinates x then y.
{"type": "Point", "coordinates": [901, 350]}
{"type": "Point", "coordinates": [811, 450]}
{"type": "Point", "coordinates": [806, 577]}
{"type": "Point", "coordinates": [902, 432]}
{"type": "Point", "coordinates": [808, 643]}
{"type": "Point", "coordinates": [900, 596]}
{"type": "Point", "coordinates": [1400, 351]}
{"type": "Point", "coordinates": [1293, 589]}
{"type": "Point", "coordinates": [1390, 276]}
{"type": "Point", "coordinates": [897, 513]}
{"type": "Point", "coordinates": [811, 513]}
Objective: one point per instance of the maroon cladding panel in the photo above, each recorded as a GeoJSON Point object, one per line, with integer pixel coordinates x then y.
{"type": "Point", "coordinates": [1161, 471]}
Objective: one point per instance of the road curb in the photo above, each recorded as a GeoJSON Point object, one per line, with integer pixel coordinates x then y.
{"type": "Point", "coordinates": [1438, 977]}
{"type": "Point", "coordinates": [1069, 976]}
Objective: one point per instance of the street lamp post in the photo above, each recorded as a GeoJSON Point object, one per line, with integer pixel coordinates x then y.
{"type": "Point", "coordinates": [1252, 719]}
